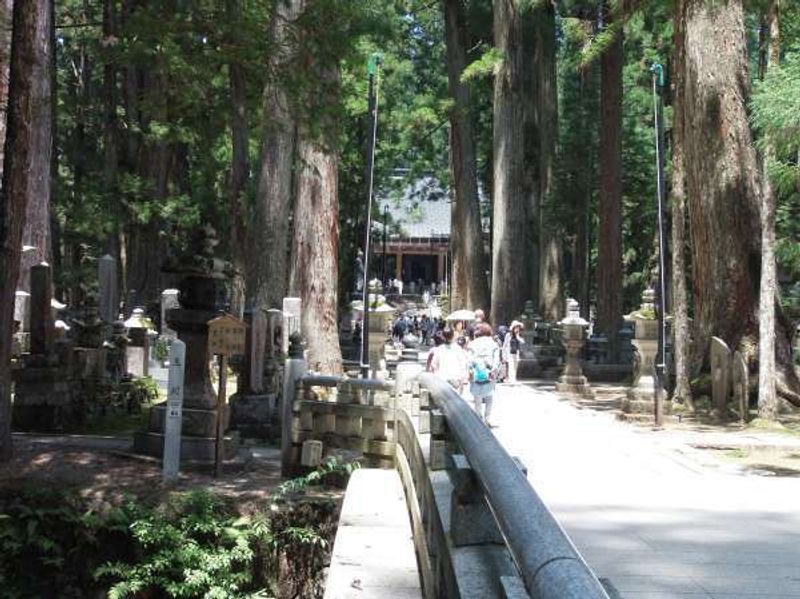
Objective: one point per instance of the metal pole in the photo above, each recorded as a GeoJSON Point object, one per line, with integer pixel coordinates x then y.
{"type": "Point", "coordinates": [385, 218]}
{"type": "Point", "coordinates": [372, 70]}
{"type": "Point", "coordinates": [660, 367]}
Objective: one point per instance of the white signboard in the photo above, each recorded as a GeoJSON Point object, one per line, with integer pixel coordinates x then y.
{"type": "Point", "coordinates": [172, 419]}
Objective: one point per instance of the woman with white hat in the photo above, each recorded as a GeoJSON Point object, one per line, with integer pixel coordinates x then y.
{"type": "Point", "coordinates": [511, 349]}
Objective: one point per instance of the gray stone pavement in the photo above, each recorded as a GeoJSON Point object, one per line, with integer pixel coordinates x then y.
{"type": "Point", "coordinates": [653, 517]}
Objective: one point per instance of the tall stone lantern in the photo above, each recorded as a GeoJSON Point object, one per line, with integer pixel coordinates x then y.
{"type": "Point", "coordinates": [641, 396]}
{"type": "Point", "coordinates": [202, 294]}
{"type": "Point", "coordinates": [574, 339]}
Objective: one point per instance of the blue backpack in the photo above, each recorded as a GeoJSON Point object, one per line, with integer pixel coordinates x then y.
{"type": "Point", "coordinates": [480, 374]}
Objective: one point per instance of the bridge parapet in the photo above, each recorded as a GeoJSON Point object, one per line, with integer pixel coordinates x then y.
{"type": "Point", "coordinates": [480, 529]}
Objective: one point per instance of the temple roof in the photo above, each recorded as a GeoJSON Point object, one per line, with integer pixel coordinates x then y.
{"type": "Point", "coordinates": [420, 210]}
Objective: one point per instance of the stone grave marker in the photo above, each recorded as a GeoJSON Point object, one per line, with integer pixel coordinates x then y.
{"type": "Point", "coordinates": [174, 415]}
{"type": "Point", "coordinates": [41, 314]}
{"type": "Point", "coordinates": [22, 309]}
{"type": "Point", "coordinates": [741, 386]}
{"type": "Point", "coordinates": [108, 300]}
{"type": "Point", "coordinates": [291, 319]}
{"type": "Point", "coordinates": [169, 301]}
{"type": "Point", "coordinates": [720, 375]}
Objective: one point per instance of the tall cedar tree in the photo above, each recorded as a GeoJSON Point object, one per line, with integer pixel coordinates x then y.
{"type": "Point", "coordinates": [551, 291]}
{"type": "Point", "coordinates": [768, 294]}
{"type": "Point", "coordinates": [268, 274]}
{"type": "Point", "coordinates": [470, 289]}
{"type": "Point", "coordinates": [39, 50]}
{"type": "Point", "coordinates": [510, 278]}
{"type": "Point", "coordinates": [723, 186]}
{"type": "Point", "coordinates": [27, 135]}
{"type": "Point", "coordinates": [609, 241]}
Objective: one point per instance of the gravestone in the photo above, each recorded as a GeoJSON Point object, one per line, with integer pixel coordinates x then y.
{"type": "Point", "coordinates": [741, 386]}
{"type": "Point", "coordinates": [169, 301]}
{"type": "Point", "coordinates": [43, 398]}
{"type": "Point", "coordinates": [291, 319]}
{"type": "Point", "coordinates": [138, 349]}
{"type": "Point", "coordinates": [720, 376]}
{"type": "Point", "coordinates": [108, 299]}
{"type": "Point", "coordinates": [22, 309]}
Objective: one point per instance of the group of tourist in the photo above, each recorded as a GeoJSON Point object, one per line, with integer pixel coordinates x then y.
{"type": "Point", "coordinates": [473, 356]}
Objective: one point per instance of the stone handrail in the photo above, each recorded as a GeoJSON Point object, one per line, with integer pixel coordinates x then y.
{"type": "Point", "coordinates": [548, 562]}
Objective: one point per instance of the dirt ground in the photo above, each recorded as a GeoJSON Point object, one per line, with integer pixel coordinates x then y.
{"type": "Point", "coordinates": [103, 470]}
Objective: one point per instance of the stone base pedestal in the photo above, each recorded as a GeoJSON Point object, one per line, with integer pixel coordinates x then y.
{"type": "Point", "coordinates": [639, 405]}
{"type": "Point", "coordinates": [194, 423]}
{"type": "Point", "coordinates": [577, 385]}
{"type": "Point", "coordinates": [255, 415]}
{"type": "Point", "coordinates": [44, 401]}
{"type": "Point", "coordinates": [195, 449]}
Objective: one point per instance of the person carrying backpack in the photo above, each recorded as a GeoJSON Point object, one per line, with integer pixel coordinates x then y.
{"type": "Point", "coordinates": [484, 365]}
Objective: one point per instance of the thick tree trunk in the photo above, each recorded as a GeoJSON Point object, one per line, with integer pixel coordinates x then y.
{"type": "Point", "coordinates": [722, 177]}
{"type": "Point", "coordinates": [768, 294]}
{"type": "Point", "coordinates": [680, 310]}
{"type": "Point", "coordinates": [6, 10]}
{"type": "Point", "coordinates": [240, 172]}
{"type": "Point", "coordinates": [267, 278]}
{"type": "Point", "coordinates": [315, 252]}
{"type": "Point", "coordinates": [469, 286]}
{"type": "Point", "coordinates": [609, 241]}
{"type": "Point", "coordinates": [551, 290]}
{"type": "Point", "coordinates": [38, 51]}
{"type": "Point", "coordinates": [28, 90]}
{"type": "Point", "coordinates": [510, 264]}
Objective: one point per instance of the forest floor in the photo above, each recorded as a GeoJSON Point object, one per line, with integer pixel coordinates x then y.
{"type": "Point", "coordinates": [102, 469]}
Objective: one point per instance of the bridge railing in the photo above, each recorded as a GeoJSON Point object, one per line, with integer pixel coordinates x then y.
{"type": "Point", "coordinates": [548, 563]}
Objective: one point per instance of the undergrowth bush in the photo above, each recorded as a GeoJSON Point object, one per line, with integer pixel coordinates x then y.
{"type": "Point", "coordinates": [193, 545]}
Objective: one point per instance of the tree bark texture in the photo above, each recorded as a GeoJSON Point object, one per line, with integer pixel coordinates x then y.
{"type": "Point", "coordinates": [29, 85]}
{"type": "Point", "coordinates": [510, 265]}
{"type": "Point", "coordinates": [6, 10]}
{"type": "Point", "coordinates": [469, 285]}
{"type": "Point", "coordinates": [37, 49]}
{"type": "Point", "coordinates": [315, 240]}
{"type": "Point", "coordinates": [768, 290]}
{"type": "Point", "coordinates": [240, 171]}
{"type": "Point", "coordinates": [267, 278]}
{"type": "Point", "coordinates": [680, 310]}
{"type": "Point", "coordinates": [723, 186]}
{"type": "Point", "coordinates": [609, 242]}
{"type": "Point", "coordinates": [551, 288]}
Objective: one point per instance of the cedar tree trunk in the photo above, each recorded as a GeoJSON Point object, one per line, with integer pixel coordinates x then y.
{"type": "Point", "coordinates": [469, 286]}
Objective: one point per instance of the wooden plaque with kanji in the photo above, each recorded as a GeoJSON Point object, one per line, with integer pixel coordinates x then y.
{"type": "Point", "coordinates": [226, 335]}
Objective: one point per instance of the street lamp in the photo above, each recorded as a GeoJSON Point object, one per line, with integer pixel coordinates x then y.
{"type": "Point", "coordinates": [657, 71]}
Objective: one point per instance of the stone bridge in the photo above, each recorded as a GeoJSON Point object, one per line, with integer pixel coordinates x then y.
{"type": "Point", "coordinates": [474, 524]}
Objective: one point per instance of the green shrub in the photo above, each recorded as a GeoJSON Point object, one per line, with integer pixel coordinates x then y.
{"type": "Point", "coordinates": [192, 547]}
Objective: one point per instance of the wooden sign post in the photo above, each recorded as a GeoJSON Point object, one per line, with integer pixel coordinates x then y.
{"type": "Point", "coordinates": [226, 337]}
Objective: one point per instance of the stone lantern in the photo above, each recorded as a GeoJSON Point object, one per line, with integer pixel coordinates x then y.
{"type": "Point", "coordinates": [641, 395]}
{"type": "Point", "coordinates": [138, 349]}
{"type": "Point", "coordinates": [574, 338]}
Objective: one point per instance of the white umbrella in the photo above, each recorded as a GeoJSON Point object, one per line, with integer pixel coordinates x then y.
{"type": "Point", "coordinates": [461, 315]}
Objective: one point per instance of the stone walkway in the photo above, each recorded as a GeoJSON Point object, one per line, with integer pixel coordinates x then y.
{"type": "Point", "coordinates": [653, 517]}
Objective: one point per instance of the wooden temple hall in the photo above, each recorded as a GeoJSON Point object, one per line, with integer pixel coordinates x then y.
{"type": "Point", "coordinates": [416, 226]}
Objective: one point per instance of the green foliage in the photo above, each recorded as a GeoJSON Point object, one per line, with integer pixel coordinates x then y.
{"type": "Point", "coordinates": [332, 471]}
{"type": "Point", "coordinates": [192, 547]}
{"type": "Point", "coordinates": [49, 543]}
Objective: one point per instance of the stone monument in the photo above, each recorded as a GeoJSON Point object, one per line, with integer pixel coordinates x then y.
{"type": "Point", "coordinates": [574, 338]}
{"type": "Point", "coordinates": [202, 295]}
{"type": "Point", "coordinates": [169, 301]}
{"type": "Point", "coordinates": [640, 397]}
{"type": "Point", "coordinates": [741, 386]}
{"type": "Point", "coordinates": [721, 357]}
{"type": "Point", "coordinates": [43, 398]}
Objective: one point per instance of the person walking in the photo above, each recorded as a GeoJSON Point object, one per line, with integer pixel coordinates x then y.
{"type": "Point", "coordinates": [484, 366]}
{"type": "Point", "coordinates": [511, 349]}
{"type": "Point", "coordinates": [449, 362]}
